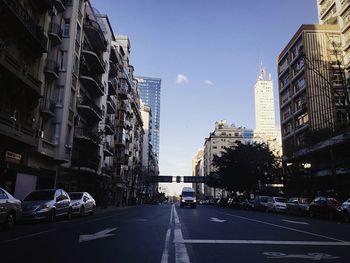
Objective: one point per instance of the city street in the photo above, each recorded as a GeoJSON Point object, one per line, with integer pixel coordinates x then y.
{"type": "Point", "coordinates": [166, 233]}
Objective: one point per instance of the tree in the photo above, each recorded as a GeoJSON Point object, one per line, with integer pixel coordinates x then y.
{"type": "Point", "coordinates": [245, 167]}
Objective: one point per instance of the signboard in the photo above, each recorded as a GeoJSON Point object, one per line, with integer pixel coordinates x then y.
{"type": "Point", "coordinates": [162, 179]}
{"type": "Point", "coordinates": [195, 179]}
{"type": "Point", "coordinates": [13, 157]}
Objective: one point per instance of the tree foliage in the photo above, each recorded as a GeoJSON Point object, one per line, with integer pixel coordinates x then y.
{"type": "Point", "coordinates": [243, 167]}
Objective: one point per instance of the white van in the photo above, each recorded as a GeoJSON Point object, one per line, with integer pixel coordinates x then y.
{"type": "Point", "coordinates": [188, 197]}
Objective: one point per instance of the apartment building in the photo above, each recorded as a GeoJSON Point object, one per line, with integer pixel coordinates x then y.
{"type": "Point", "coordinates": [198, 170]}
{"type": "Point", "coordinates": [223, 136]}
{"type": "Point", "coordinates": [29, 40]}
{"type": "Point", "coordinates": [311, 102]}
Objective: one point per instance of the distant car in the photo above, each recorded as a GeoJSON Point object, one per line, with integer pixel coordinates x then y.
{"type": "Point", "coordinates": [247, 204]}
{"type": "Point", "coordinates": [298, 205]}
{"type": "Point", "coordinates": [188, 197]}
{"type": "Point", "coordinates": [10, 209]}
{"type": "Point", "coordinates": [325, 207]}
{"type": "Point", "coordinates": [235, 202]}
{"type": "Point", "coordinates": [345, 210]}
{"type": "Point", "coordinates": [276, 204]}
{"type": "Point", "coordinates": [46, 204]}
{"type": "Point", "coordinates": [82, 202]}
{"type": "Point", "coordinates": [260, 203]}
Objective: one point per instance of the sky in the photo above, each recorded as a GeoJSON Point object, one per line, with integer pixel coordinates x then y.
{"type": "Point", "coordinates": [208, 54]}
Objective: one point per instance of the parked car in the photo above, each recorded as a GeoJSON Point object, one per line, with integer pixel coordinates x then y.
{"type": "Point", "coordinates": [82, 202]}
{"type": "Point", "coordinates": [345, 210]}
{"type": "Point", "coordinates": [46, 204]}
{"type": "Point", "coordinates": [222, 202]}
{"type": "Point", "coordinates": [10, 209]}
{"type": "Point", "coordinates": [247, 204]}
{"type": "Point", "coordinates": [260, 203]}
{"type": "Point", "coordinates": [276, 204]}
{"type": "Point", "coordinates": [325, 207]}
{"type": "Point", "coordinates": [298, 205]}
{"type": "Point", "coordinates": [235, 202]}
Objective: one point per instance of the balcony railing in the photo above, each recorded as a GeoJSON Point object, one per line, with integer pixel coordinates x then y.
{"type": "Point", "coordinates": [108, 149]}
{"type": "Point", "coordinates": [51, 69]}
{"type": "Point", "coordinates": [47, 107]}
{"type": "Point", "coordinates": [91, 82]}
{"type": "Point", "coordinates": [55, 33]}
{"type": "Point", "coordinates": [95, 34]}
{"type": "Point", "coordinates": [89, 103]}
{"type": "Point", "coordinates": [83, 132]}
{"type": "Point", "coordinates": [28, 23]}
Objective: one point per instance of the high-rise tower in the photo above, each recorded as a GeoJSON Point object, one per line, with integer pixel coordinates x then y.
{"type": "Point", "coordinates": [150, 95]}
{"type": "Point", "coordinates": [264, 104]}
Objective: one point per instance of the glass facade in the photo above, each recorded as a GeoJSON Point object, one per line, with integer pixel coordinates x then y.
{"type": "Point", "coordinates": [150, 95]}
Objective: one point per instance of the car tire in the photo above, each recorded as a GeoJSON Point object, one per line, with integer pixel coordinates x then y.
{"type": "Point", "coordinates": [82, 211]}
{"type": "Point", "coordinates": [274, 210]}
{"type": "Point", "coordinates": [346, 216]}
{"type": "Point", "coordinates": [52, 216]}
{"type": "Point", "coordinates": [10, 220]}
{"type": "Point", "coordinates": [93, 210]}
{"type": "Point", "coordinates": [311, 214]}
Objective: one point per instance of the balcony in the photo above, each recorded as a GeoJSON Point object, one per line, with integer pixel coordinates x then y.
{"type": "Point", "coordinates": [108, 150]}
{"type": "Point", "coordinates": [120, 140]}
{"type": "Point", "coordinates": [23, 21]}
{"type": "Point", "coordinates": [95, 62]}
{"type": "Point", "coordinates": [326, 6]}
{"type": "Point", "coordinates": [113, 70]}
{"type": "Point", "coordinates": [82, 162]}
{"type": "Point", "coordinates": [51, 69]}
{"type": "Point", "coordinates": [86, 136]}
{"type": "Point", "coordinates": [89, 109]}
{"type": "Point", "coordinates": [47, 108]}
{"type": "Point", "coordinates": [120, 123]}
{"type": "Point", "coordinates": [111, 106]}
{"type": "Point", "coordinates": [19, 71]}
{"type": "Point", "coordinates": [91, 82]}
{"type": "Point", "coordinates": [109, 127]}
{"type": "Point", "coordinates": [123, 91]}
{"type": "Point", "coordinates": [55, 33]}
{"type": "Point", "coordinates": [94, 33]}
{"type": "Point", "coordinates": [112, 87]}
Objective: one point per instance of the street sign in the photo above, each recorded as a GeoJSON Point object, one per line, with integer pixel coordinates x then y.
{"type": "Point", "coordinates": [195, 179]}
{"type": "Point", "coordinates": [162, 179]}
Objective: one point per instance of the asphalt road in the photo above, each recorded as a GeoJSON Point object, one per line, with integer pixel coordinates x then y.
{"type": "Point", "coordinates": [166, 233]}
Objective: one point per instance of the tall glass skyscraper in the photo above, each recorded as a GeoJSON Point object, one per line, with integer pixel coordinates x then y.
{"type": "Point", "coordinates": [150, 95]}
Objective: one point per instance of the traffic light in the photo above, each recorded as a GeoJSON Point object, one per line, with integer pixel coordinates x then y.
{"type": "Point", "coordinates": [178, 179]}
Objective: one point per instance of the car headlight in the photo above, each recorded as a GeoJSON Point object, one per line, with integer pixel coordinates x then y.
{"type": "Point", "coordinates": [183, 201]}
{"type": "Point", "coordinates": [75, 204]}
{"type": "Point", "coordinates": [43, 206]}
{"type": "Point", "coordinates": [195, 200]}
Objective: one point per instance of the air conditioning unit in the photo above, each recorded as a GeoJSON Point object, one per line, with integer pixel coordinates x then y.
{"type": "Point", "coordinates": [41, 134]}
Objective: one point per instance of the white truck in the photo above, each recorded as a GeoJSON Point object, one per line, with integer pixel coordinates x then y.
{"type": "Point", "coordinates": [188, 197]}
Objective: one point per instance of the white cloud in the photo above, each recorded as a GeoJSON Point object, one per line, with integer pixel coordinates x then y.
{"type": "Point", "coordinates": [208, 82]}
{"type": "Point", "coordinates": [181, 78]}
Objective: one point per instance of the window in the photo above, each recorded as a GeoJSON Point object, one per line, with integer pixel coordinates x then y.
{"type": "Point", "coordinates": [299, 84]}
{"type": "Point", "coordinates": [66, 24]}
{"type": "Point", "coordinates": [77, 36]}
{"type": "Point", "coordinates": [3, 195]}
{"type": "Point", "coordinates": [302, 120]}
{"type": "Point", "coordinates": [63, 60]}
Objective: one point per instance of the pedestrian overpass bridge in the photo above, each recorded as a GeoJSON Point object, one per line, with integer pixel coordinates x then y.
{"type": "Point", "coordinates": [178, 179]}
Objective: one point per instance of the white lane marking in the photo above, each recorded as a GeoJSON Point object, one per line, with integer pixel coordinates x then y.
{"type": "Point", "coordinates": [98, 235]}
{"type": "Point", "coordinates": [165, 255]}
{"type": "Point", "coordinates": [171, 214]}
{"type": "Point", "coordinates": [311, 256]}
{"type": "Point", "coordinates": [27, 236]}
{"type": "Point", "coordinates": [217, 220]}
{"type": "Point", "coordinates": [181, 255]}
{"type": "Point", "coordinates": [288, 228]}
{"type": "Point", "coordinates": [263, 242]}
{"type": "Point", "coordinates": [295, 222]}
{"type": "Point", "coordinates": [176, 217]}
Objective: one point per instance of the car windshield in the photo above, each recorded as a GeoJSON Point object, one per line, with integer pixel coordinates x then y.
{"type": "Point", "coordinates": [75, 196]}
{"type": "Point", "coordinates": [40, 195]}
{"type": "Point", "coordinates": [333, 201]}
{"type": "Point", "coordinates": [188, 194]}
{"type": "Point", "coordinates": [280, 200]}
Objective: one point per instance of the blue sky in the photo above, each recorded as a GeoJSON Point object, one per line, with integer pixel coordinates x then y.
{"type": "Point", "coordinates": [216, 47]}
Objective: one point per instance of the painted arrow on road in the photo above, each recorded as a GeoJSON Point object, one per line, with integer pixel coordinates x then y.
{"type": "Point", "coordinates": [101, 234]}
{"type": "Point", "coordinates": [217, 220]}
{"type": "Point", "coordinates": [295, 222]}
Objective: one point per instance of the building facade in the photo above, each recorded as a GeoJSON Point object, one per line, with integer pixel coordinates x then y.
{"type": "Point", "coordinates": [198, 170]}
{"type": "Point", "coordinates": [224, 136]}
{"type": "Point", "coordinates": [312, 104]}
{"type": "Point", "coordinates": [266, 131]}
{"type": "Point", "coordinates": [150, 89]}
{"type": "Point", "coordinates": [69, 103]}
